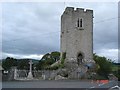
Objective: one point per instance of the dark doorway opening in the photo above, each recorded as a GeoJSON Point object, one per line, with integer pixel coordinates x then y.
{"type": "Point", "coordinates": [79, 59]}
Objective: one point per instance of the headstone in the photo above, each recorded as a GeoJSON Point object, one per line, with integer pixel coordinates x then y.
{"type": "Point", "coordinates": [15, 73]}
{"type": "Point", "coordinates": [43, 76]}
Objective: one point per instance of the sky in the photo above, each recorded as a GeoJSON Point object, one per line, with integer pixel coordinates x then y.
{"type": "Point", "coordinates": [32, 29]}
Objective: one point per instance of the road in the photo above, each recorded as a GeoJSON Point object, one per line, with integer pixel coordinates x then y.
{"type": "Point", "coordinates": [57, 84]}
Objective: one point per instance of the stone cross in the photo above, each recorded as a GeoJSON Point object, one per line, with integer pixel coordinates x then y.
{"type": "Point", "coordinates": [30, 76]}
{"type": "Point", "coordinates": [30, 65]}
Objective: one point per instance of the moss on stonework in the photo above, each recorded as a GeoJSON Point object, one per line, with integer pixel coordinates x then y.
{"type": "Point", "coordinates": [63, 58]}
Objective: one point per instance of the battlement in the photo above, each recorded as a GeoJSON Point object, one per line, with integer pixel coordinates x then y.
{"type": "Point", "coordinates": [69, 9]}
{"type": "Point", "coordinates": [72, 9]}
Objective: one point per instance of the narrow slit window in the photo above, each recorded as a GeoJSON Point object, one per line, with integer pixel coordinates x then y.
{"type": "Point", "coordinates": [80, 22]}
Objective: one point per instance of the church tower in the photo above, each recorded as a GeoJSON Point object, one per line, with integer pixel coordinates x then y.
{"type": "Point", "coordinates": [77, 38]}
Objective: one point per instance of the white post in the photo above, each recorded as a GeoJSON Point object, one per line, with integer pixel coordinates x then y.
{"type": "Point", "coordinates": [30, 76]}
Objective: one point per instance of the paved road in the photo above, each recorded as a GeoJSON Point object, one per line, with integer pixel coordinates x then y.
{"type": "Point", "coordinates": [49, 84]}
{"type": "Point", "coordinates": [57, 84]}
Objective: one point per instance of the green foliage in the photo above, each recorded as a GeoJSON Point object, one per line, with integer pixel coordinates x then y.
{"type": "Point", "coordinates": [118, 75]}
{"type": "Point", "coordinates": [64, 55]}
{"type": "Point", "coordinates": [40, 65]}
{"type": "Point", "coordinates": [57, 66]}
{"type": "Point", "coordinates": [23, 64]}
{"type": "Point", "coordinates": [63, 58]}
{"type": "Point", "coordinates": [55, 56]}
{"type": "Point", "coordinates": [47, 60]}
{"type": "Point", "coordinates": [8, 63]}
{"type": "Point", "coordinates": [62, 65]}
{"type": "Point", "coordinates": [100, 77]}
{"type": "Point", "coordinates": [62, 61]}
{"type": "Point", "coordinates": [116, 70]}
{"type": "Point", "coordinates": [19, 63]}
{"type": "Point", "coordinates": [105, 65]}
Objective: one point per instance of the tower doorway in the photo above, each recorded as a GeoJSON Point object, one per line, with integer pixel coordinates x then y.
{"type": "Point", "coordinates": [79, 59]}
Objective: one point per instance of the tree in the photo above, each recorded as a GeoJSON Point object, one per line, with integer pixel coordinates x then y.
{"type": "Point", "coordinates": [47, 60]}
{"type": "Point", "coordinates": [23, 64]}
{"type": "Point", "coordinates": [55, 56]}
{"type": "Point", "coordinates": [105, 65]}
{"type": "Point", "coordinates": [8, 63]}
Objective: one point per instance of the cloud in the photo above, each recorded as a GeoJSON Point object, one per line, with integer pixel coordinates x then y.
{"type": "Point", "coordinates": [34, 28]}
{"type": "Point", "coordinates": [109, 53]}
{"type": "Point", "coordinates": [22, 26]}
{"type": "Point", "coordinates": [33, 56]}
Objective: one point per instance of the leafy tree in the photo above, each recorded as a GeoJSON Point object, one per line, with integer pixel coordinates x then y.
{"type": "Point", "coordinates": [47, 60]}
{"type": "Point", "coordinates": [8, 63]}
{"type": "Point", "coordinates": [105, 65]}
{"type": "Point", "coordinates": [23, 64]}
{"type": "Point", "coordinates": [46, 56]}
{"type": "Point", "coordinates": [55, 56]}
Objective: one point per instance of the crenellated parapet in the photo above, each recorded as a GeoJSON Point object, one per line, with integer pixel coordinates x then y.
{"type": "Point", "coordinates": [69, 10]}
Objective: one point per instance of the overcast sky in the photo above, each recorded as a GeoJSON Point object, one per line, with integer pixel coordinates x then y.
{"type": "Point", "coordinates": [30, 30]}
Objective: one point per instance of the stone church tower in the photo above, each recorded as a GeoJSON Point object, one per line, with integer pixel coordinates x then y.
{"type": "Point", "coordinates": [77, 39]}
